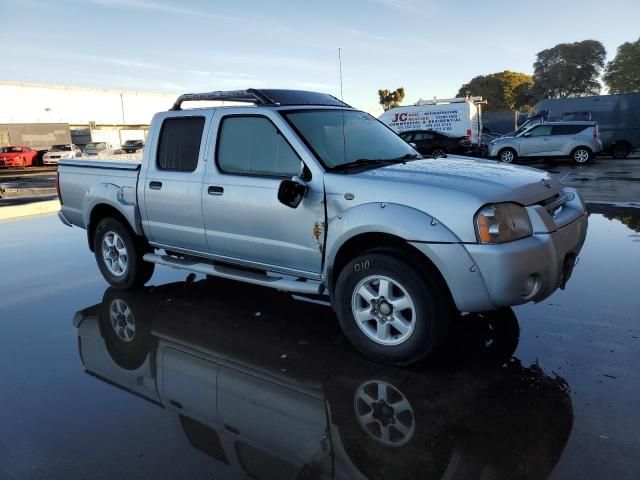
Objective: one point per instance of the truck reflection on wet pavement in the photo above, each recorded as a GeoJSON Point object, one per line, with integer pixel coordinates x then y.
{"type": "Point", "coordinates": [217, 380]}
{"type": "Point", "coordinates": [281, 396]}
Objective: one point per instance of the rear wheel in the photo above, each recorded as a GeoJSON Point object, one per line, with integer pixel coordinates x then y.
{"type": "Point", "coordinates": [119, 255]}
{"type": "Point", "coordinates": [389, 311]}
{"type": "Point", "coordinates": [507, 155]}
{"type": "Point", "coordinates": [581, 154]}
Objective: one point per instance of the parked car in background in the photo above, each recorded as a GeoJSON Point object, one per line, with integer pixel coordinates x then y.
{"type": "Point", "coordinates": [17, 156]}
{"type": "Point", "coordinates": [59, 152]}
{"type": "Point", "coordinates": [429, 142]}
{"type": "Point", "coordinates": [618, 118]}
{"type": "Point", "coordinates": [577, 140]}
{"type": "Point", "coordinates": [132, 146]}
{"type": "Point", "coordinates": [94, 149]}
{"type": "Point", "coordinates": [302, 193]}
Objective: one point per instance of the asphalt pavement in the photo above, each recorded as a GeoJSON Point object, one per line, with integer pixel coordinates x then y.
{"type": "Point", "coordinates": [193, 378]}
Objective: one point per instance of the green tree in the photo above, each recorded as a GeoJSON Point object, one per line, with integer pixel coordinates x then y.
{"type": "Point", "coordinates": [390, 99]}
{"type": "Point", "coordinates": [503, 90]}
{"type": "Point", "coordinates": [623, 72]}
{"type": "Point", "coordinates": [569, 70]}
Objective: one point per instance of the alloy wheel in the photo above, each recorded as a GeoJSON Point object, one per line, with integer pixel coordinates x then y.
{"type": "Point", "coordinates": [114, 253]}
{"type": "Point", "coordinates": [581, 155]}
{"type": "Point", "coordinates": [383, 310]}
{"type": "Point", "coordinates": [384, 413]}
{"type": "Point", "coordinates": [122, 320]}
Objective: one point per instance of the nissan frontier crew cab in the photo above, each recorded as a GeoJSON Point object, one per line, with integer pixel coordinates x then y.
{"type": "Point", "coordinates": [302, 193]}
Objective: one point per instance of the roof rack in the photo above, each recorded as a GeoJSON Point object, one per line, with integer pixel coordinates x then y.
{"type": "Point", "coordinates": [272, 97]}
{"type": "Point", "coordinates": [245, 96]}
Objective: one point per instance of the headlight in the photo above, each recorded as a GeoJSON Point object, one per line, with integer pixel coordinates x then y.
{"type": "Point", "coordinates": [502, 222]}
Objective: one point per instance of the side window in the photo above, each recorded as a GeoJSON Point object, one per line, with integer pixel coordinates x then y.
{"type": "Point", "coordinates": [254, 146]}
{"type": "Point", "coordinates": [540, 131]}
{"type": "Point", "coordinates": [179, 144]}
{"type": "Point", "coordinates": [422, 136]}
{"type": "Point", "coordinates": [567, 129]}
{"type": "Point", "coordinates": [406, 136]}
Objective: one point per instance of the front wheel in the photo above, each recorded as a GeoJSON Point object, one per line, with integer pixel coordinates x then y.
{"type": "Point", "coordinates": [390, 311]}
{"type": "Point", "coordinates": [581, 155]}
{"type": "Point", "coordinates": [119, 255]}
{"type": "Point", "coordinates": [507, 155]}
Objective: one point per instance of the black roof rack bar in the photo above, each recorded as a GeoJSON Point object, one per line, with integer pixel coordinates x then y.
{"type": "Point", "coordinates": [250, 95]}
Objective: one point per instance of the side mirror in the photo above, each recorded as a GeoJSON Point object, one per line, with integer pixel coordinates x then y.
{"type": "Point", "coordinates": [291, 192]}
{"type": "Point", "coordinates": [413, 145]}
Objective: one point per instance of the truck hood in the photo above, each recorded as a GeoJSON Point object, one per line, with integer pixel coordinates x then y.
{"type": "Point", "coordinates": [487, 180]}
{"type": "Point", "coordinates": [450, 189]}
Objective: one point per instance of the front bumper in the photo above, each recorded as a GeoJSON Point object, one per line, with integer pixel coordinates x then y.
{"type": "Point", "coordinates": [530, 269]}
{"type": "Point", "coordinates": [484, 277]}
{"type": "Point", "coordinates": [10, 162]}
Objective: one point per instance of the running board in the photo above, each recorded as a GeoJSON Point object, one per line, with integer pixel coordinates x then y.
{"type": "Point", "coordinates": [309, 287]}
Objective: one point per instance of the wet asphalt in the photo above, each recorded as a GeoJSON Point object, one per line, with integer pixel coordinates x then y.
{"type": "Point", "coordinates": [194, 378]}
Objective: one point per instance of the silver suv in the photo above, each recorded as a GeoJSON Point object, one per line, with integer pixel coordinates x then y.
{"type": "Point", "coordinates": [577, 140]}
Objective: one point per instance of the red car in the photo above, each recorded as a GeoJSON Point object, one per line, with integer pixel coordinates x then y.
{"type": "Point", "coordinates": [17, 156]}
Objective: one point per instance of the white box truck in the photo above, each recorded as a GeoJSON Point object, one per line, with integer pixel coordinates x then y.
{"type": "Point", "coordinates": [457, 117]}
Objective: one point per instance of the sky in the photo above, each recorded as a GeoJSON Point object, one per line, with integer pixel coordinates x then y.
{"type": "Point", "coordinates": [429, 47]}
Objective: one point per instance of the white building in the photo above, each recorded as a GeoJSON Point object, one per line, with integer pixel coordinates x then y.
{"type": "Point", "coordinates": [92, 114]}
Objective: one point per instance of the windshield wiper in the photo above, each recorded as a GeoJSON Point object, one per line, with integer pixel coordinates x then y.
{"type": "Point", "coordinates": [376, 161]}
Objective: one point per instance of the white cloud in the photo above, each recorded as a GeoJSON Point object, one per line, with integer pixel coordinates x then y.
{"type": "Point", "coordinates": [161, 7]}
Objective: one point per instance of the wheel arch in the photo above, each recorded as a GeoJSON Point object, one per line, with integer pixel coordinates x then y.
{"type": "Point", "coordinates": [381, 242]}
{"type": "Point", "coordinates": [100, 211]}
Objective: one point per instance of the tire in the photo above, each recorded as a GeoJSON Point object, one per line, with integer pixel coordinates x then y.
{"type": "Point", "coordinates": [507, 155]}
{"type": "Point", "coordinates": [119, 254]}
{"type": "Point", "coordinates": [438, 152]}
{"type": "Point", "coordinates": [620, 151]}
{"type": "Point", "coordinates": [406, 440]}
{"type": "Point", "coordinates": [383, 332]}
{"type": "Point", "coordinates": [581, 155]}
{"type": "Point", "coordinates": [126, 329]}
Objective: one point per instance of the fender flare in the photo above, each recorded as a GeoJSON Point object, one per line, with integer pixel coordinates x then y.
{"type": "Point", "coordinates": [406, 223]}
{"type": "Point", "coordinates": [123, 199]}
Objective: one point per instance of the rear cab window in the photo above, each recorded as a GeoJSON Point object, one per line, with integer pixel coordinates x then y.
{"type": "Point", "coordinates": [179, 144]}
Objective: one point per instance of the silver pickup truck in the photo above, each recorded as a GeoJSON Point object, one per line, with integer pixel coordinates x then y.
{"type": "Point", "coordinates": [300, 192]}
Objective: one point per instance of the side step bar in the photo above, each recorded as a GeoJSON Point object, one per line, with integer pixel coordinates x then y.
{"type": "Point", "coordinates": [309, 287]}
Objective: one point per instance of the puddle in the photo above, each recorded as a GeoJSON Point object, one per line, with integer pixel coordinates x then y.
{"type": "Point", "coordinates": [627, 215]}
{"type": "Point", "coordinates": [615, 179]}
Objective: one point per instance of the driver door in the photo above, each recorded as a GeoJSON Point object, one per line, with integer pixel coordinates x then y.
{"type": "Point", "coordinates": [244, 221]}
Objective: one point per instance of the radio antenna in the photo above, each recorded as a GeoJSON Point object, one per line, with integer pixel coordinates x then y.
{"type": "Point", "coordinates": [340, 67]}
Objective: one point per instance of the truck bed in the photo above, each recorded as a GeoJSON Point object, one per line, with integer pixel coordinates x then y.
{"type": "Point", "coordinates": [86, 182]}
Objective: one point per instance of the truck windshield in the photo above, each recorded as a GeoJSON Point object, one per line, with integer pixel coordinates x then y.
{"type": "Point", "coordinates": [96, 146]}
{"type": "Point", "coordinates": [341, 137]}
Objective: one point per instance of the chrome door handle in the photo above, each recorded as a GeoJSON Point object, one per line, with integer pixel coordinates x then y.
{"type": "Point", "coordinates": [215, 190]}
{"type": "Point", "coordinates": [155, 185]}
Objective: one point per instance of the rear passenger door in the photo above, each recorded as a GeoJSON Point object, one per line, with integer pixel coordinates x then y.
{"type": "Point", "coordinates": [172, 184]}
{"type": "Point", "coordinates": [564, 136]}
